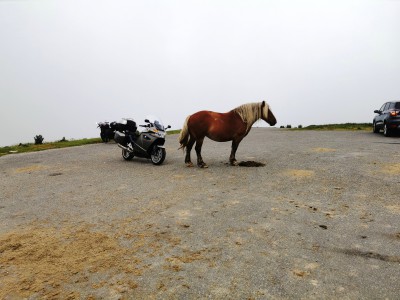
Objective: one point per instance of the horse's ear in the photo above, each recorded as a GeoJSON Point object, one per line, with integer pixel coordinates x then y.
{"type": "Point", "coordinates": [263, 104]}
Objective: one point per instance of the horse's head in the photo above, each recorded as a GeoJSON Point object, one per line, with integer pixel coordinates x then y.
{"type": "Point", "coordinates": [267, 114]}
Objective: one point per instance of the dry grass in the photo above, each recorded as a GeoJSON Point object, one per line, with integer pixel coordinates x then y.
{"type": "Point", "coordinates": [299, 173]}
{"type": "Point", "coordinates": [392, 169]}
{"type": "Point", "coordinates": [47, 262]}
{"type": "Point", "coordinates": [323, 150]}
{"type": "Point", "coordinates": [42, 260]}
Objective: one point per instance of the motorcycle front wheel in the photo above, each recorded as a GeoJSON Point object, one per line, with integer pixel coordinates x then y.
{"type": "Point", "coordinates": [158, 155]}
{"type": "Point", "coordinates": [126, 155]}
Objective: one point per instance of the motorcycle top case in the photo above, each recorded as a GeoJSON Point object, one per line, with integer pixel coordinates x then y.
{"type": "Point", "coordinates": [120, 138]}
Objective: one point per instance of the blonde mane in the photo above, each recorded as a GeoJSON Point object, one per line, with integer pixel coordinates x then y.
{"type": "Point", "coordinates": [251, 112]}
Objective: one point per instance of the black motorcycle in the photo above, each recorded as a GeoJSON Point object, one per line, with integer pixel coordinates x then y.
{"type": "Point", "coordinates": [146, 144]}
{"type": "Point", "coordinates": [106, 131]}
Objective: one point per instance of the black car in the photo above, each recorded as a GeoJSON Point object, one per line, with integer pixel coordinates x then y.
{"type": "Point", "coordinates": [387, 118]}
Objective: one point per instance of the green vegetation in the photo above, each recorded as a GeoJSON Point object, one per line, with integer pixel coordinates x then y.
{"type": "Point", "coordinates": [173, 131]}
{"type": "Point", "coordinates": [345, 126]}
{"type": "Point", "coordinates": [39, 140]}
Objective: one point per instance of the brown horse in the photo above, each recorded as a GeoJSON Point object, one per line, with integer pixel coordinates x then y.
{"type": "Point", "coordinates": [222, 127]}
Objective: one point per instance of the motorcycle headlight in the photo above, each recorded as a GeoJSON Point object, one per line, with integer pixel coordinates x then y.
{"type": "Point", "coordinates": [158, 134]}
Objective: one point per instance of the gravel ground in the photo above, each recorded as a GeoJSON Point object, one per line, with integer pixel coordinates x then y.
{"type": "Point", "coordinates": [320, 220]}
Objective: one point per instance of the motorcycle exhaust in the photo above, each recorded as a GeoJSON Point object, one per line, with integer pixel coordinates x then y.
{"type": "Point", "coordinates": [125, 148]}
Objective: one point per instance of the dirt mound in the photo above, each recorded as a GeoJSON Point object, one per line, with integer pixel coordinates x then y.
{"type": "Point", "coordinates": [251, 163]}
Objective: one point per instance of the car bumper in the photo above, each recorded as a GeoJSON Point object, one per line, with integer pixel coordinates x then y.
{"type": "Point", "coordinates": [393, 124]}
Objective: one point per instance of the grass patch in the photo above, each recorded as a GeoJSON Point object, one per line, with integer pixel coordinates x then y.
{"type": "Point", "coordinates": [344, 126]}
{"type": "Point", "coordinates": [21, 148]}
{"type": "Point", "coordinates": [173, 131]}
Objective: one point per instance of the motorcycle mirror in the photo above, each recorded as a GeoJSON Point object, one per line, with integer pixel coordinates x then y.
{"type": "Point", "coordinates": [147, 121]}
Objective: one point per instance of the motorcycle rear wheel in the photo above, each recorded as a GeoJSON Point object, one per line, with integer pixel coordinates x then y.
{"type": "Point", "coordinates": [127, 155]}
{"type": "Point", "coordinates": [158, 155]}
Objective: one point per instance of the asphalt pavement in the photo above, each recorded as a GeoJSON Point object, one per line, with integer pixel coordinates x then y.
{"type": "Point", "coordinates": [321, 220]}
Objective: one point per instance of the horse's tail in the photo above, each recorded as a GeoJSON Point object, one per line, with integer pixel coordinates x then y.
{"type": "Point", "coordinates": [184, 135]}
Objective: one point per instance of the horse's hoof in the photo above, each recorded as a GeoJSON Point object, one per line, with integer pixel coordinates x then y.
{"type": "Point", "coordinates": [203, 165]}
{"type": "Point", "coordinates": [234, 163]}
{"type": "Point", "coordinates": [189, 165]}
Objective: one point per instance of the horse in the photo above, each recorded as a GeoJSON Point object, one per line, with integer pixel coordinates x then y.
{"type": "Point", "coordinates": [222, 127]}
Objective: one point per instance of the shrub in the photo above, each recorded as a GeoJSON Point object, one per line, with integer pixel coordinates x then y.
{"type": "Point", "coordinates": [300, 126]}
{"type": "Point", "coordinates": [38, 139]}
{"type": "Point", "coordinates": [288, 126]}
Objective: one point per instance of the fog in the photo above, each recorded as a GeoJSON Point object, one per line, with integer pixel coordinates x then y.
{"type": "Point", "coordinates": [65, 65]}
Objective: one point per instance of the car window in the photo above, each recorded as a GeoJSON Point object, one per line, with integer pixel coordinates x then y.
{"type": "Point", "coordinates": [391, 105]}
{"type": "Point", "coordinates": [386, 106]}
{"type": "Point", "coordinates": [383, 107]}
{"type": "Point", "coordinates": [397, 105]}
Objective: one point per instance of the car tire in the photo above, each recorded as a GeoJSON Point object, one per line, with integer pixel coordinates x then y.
{"type": "Point", "coordinates": [386, 130]}
{"type": "Point", "coordinates": [375, 128]}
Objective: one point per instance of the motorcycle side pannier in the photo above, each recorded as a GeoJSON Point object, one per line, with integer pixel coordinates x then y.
{"type": "Point", "coordinates": [120, 138]}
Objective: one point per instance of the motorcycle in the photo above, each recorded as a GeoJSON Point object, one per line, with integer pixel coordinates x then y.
{"type": "Point", "coordinates": [106, 131]}
{"type": "Point", "coordinates": [149, 143]}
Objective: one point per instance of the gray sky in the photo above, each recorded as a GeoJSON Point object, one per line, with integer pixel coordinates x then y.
{"type": "Point", "coordinates": [66, 64]}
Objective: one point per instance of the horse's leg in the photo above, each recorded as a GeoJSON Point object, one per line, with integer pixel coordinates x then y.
{"type": "Point", "coordinates": [189, 147]}
{"type": "Point", "coordinates": [200, 162]}
{"type": "Point", "coordinates": [232, 159]}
